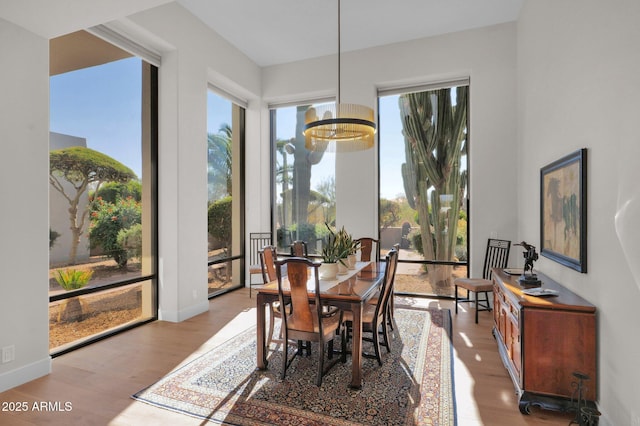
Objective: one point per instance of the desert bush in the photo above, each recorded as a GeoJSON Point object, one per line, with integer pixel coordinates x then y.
{"type": "Point", "coordinates": [73, 279]}
{"type": "Point", "coordinates": [219, 219]}
{"type": "Point", "coordinates": [130, 239]}
{"type": "Point", "coordinates": [110, 192]}
{"type": "Point", "coordinates": [107, 220]}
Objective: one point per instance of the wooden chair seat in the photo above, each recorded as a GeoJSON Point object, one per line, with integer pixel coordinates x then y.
{"type": "Point", "coordinates": [474, 284]}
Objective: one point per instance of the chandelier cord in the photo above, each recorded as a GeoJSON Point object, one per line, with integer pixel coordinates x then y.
{"type": "Point", "coordinates": [338, 97]}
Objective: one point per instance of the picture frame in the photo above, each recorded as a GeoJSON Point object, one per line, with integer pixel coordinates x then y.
{"type": "Point", "coordinates": [563, 210]}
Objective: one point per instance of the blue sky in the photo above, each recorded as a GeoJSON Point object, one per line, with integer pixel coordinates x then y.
{"type": "Point", "coordinates": [102, 104]}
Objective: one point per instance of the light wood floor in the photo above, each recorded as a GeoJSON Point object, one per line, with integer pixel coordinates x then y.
{"type": "Point", "coordinates": [98, 380]}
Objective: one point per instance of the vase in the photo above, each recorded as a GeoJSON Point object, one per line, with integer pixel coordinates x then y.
{"type": "Point", "coordinates": [351, 261]}
{"type": "Point", "coordinates": [328, 271]}
{"type": "Point", "coordinates": [342, 267]}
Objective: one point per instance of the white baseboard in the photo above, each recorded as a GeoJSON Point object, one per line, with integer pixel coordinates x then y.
{"type": "Point", "coordinates": [24, 374]}
{"type": "Point", "coordinates": [183, 314]}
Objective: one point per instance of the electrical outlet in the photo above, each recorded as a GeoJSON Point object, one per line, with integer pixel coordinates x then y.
{"type": "Point", "coordinates": [8, 354]}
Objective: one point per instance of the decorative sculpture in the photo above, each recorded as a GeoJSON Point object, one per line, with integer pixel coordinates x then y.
{"type": "Point", "coordinates": [530, 255]}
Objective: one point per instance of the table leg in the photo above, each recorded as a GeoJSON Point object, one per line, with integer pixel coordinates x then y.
{"type": "Point", "coordinates": [356, 347]}
{"type": "Point", "coordinates": [260, 330]}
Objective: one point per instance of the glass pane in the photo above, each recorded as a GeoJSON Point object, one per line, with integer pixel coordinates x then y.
{"type": "Point", "coordinates": [224, 276]}
{"type": "Point", "coordinates": [77, 318]}
{"type": "Point", "coordinates": [96, 214]}
{"type": "Point", "coordinates": [224, 122]}
{"type": "Point", "coordinates": [304, 186]}
{"type": "Point", "coordinates": [423, 186]}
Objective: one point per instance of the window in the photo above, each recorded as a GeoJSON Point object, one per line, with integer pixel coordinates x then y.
{"type": "Point", "coordinates": [423, 186]}
{"type": "Point", "coordinates": [103, 117]}
{"type": "Point", "coordinates": [225, 149]}
{"type": "Point", "coordinates": [304, 183]}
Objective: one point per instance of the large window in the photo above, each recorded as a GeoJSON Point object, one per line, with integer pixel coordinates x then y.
{"type": "Point", "coordinates": [423, 186]}
{"type": "Point", "coordinates": [225, 148]}
{"type": "Point", "coordinates": [102, 191]}
{"type": "Point", "coordinates": [304, 183]}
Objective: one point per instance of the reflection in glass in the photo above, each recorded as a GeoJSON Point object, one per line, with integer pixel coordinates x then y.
{"type": "Point", "coordinates": [304, 183]}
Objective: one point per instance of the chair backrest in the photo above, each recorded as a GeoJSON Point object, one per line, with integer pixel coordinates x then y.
{"type": "Point", "coordinates": [302, 312]}
{"type": "Point", "coordinates": [267, 263]}
{"type": "Point", "coordinates": [299, 248]}
{"type": "Point", "coordinates": [497, 256]}
{"type": "Point", "coordinates": [368, 246]}
{"type": "Point", "coordinates": [257, 240]}
{"type": "Point", "coordinates": [387, 283]}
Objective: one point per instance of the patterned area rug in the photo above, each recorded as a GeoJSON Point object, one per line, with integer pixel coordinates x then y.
{"type": "Point", "coordinates": [414, 386]}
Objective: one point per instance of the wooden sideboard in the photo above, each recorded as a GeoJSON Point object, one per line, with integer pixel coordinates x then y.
{"type": "Point", "coordinates": [543, 340]}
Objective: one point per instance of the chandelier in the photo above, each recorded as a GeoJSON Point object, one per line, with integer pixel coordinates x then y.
{"type": "Point", "coordinates": [339, 127]}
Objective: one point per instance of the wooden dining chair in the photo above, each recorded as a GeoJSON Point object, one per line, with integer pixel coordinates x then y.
{"type": "Point", "coordinates": [497, 256]}
{"type": "Point", "coordinates": [299, 248]}
{"type": "Point", "coordinates": [391, 305]}
{"type": "Point", "coordinates": [368, 247]}
{"type": "Point", "coordinates": [374, 317]}
{"type": "Point", "coordinates": [305, 320]}
{"type": "Point", "coordinates": [268, 269]}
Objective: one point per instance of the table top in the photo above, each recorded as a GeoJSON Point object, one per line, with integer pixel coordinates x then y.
{"type": "Point", "coordinates": [356, 284]}
{"type": "Point", "coordinates": [563, 299]}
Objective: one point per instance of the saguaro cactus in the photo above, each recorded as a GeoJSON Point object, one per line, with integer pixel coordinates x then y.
{"type": "Point", "coordinates": [434, 130]}
{"type": "Point", "coordinates": [303, 161]}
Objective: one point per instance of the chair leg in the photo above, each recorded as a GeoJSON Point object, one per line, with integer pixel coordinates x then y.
{"type": "Point", "coordinates": [376, 346]}
{"type": "Point", "coordinates": [271, 326]}
{"type": "Point", "coordinates": [455, 292]}
{"type": "Point", "coordinates": [389, 313]}
{"type": "Point", "coordinates": [285, 354]}
{"type": "Point", "coordinates": [476, 297]}
{"type": "Point", "coordinates": [343, 338]}
{"type": "Point", "coordinates": [386, 335]}
{"type": "Point", "coordinates": [320, 363]}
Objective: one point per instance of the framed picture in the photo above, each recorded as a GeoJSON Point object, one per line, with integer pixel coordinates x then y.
{"type": "Point", "coordinates": [563, 210]}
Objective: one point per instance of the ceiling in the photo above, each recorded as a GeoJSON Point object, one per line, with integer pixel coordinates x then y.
{"type": "Point", "coordinates": [280, 31]}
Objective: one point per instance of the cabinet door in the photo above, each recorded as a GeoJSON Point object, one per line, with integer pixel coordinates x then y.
{"type": "Point", "coordinates": [555, 344]}
{"type": "Point", "coordinates": [499, 312]}
{"type": "Point", "coordinates": [514, 339]}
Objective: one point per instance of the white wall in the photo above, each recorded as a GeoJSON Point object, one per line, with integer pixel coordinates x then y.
{"type": "Point", "coordinates": [487, 56]}
{"type": "Point", "coordinates": [578, 69]}
{"type": "Point", "coordinates": [24, 193]}
{"type": "Point", "coordinates": [192, 56]}
{"type": "Point", "coordinates": [196, 57]}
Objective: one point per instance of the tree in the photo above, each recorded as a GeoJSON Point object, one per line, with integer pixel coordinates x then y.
{"type": "Point", "coordinates": [434, 131]}
{"type": "Point", "coordinates": [82, 167]}
{"type": "Point", "coordinates": [389, 213]}
{"type": "Point", "coordinates": [220, 162]}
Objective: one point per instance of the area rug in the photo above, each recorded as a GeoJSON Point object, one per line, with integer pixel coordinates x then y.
{"type": "Point", "coordinates": [414, 386]}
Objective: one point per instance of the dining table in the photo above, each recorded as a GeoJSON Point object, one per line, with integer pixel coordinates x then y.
{"type": "Point", "coordinates": [348, 292]}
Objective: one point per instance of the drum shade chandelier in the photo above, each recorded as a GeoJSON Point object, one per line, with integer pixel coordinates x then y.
{"type": "Point", "coordinates": [339, 127]}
